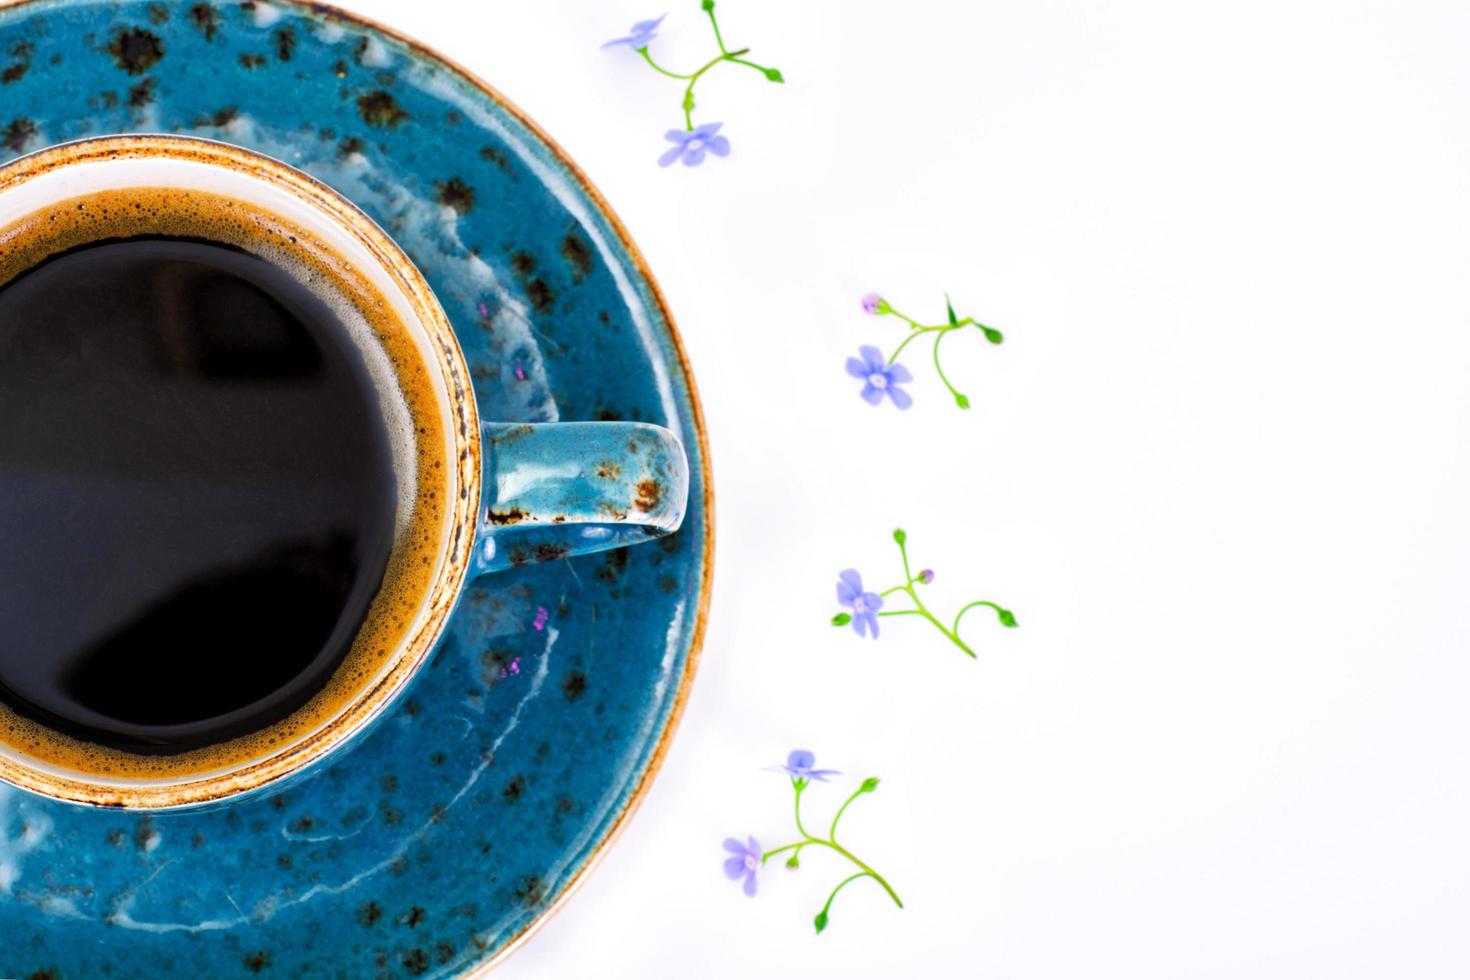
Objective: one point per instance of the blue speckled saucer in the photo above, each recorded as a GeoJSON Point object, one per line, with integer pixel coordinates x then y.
{"type": "Point", "coordinates": [438, 841]}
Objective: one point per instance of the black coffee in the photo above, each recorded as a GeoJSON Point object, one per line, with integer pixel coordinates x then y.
{"type": "Point", "coordinates": [197, 493]}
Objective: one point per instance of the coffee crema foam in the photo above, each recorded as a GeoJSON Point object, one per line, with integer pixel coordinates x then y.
{"type": "Point", "coordinates": [412, 415]}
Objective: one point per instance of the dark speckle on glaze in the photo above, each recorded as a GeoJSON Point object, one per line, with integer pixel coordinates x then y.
{"type": "Point", "coordinates": [18, 135]}
{"type": "Point", "coordinates": [574, 686]}
{"type": "Point", "coordinates": [257, 961]}
{"type": "Point", "coordinates": [455, 193]}
{"type": "Point", "coordinates": [205, 19]}
{"type": "Point", "coordinates": [381, 109]}
{"type": "Point", "coordinates": [497, 156]}
{"type": "Point", "coordinates": [141, 95]}
{"type": "Point", "coordinates": [158, 13]}
{"type": "Point", "coordinates": [578, 255]}
{"type": "Point", "coordinates": [541, 295]}
{"type": "Point", "coordinates": [322, 879]}
{"type": "Point", "coordinates": [136, 50]}
{"type": "Point", "coordinates": [522, 264]}
{"type": "Point", "coordinates": [614, 563]}
{"type": "Point", "coordinates": [650, 494]}
{"type": "Point", "coordinates": [223, 116]}
{"type": "Point", "coordinates": [285, 43]}
{"type": "Point", "coordinates": [531, 891]}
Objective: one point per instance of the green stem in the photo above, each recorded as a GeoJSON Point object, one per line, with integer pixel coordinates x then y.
{"type": "Point", "coordinates": [659, 68]}
{"type": "Point", "coordinates": [919, 608]}
{"type": "Point", "coordinates": [800, 829]}
{"type": "Point", "coordinates": [750, 64]}
{"type": "Point", "coordinates": [854, 859]}
{"type": "Point", "coordinates": [939, 369]}
{"type": "Point", "coordinates": [781, 850]}
{"type": "Point", "coordinates": [960, 615]}
{"type": "Point", "coordinates": [809, 841]}
{"type": "Point", "coordinates": [953, 636]}
{"type": "Point", "coordinates": [716, 25]}
{"type": "Point", "coordinates": [833, 845]}
{"type": "Point", "coordinates": [822, 915]}
{"type": "Point", "coordinates": [908, 575]}
{"type": "Point", "coordinates": [689, 89]}
{"type": "Point", "coordinates": [832, 833]}
{"type": "Point", "coordinates": [918, 331]}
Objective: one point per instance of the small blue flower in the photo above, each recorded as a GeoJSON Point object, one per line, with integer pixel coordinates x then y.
{"type": "Point", "coordinates": [744, 861]}
{"type": "Point", "coordinates": [690, 145]}
{"type": "Point", "coordinates": [639, 36]}
{"type": "Point", "coordinates": [799, 766]}
{"type": "Point", "coordinates": [864, 605]}
{"type": "Point", "coordinates": [881, 378]}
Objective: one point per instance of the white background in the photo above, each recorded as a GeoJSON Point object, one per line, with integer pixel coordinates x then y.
{"type": "Point", "coordinates": [1219, 469]}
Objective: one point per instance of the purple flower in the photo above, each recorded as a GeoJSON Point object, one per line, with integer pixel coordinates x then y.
{"type": "Point", "coordinates": [926, 576]}
{"type": "Point", "coordinates": [799, 766]}
{"type": "Point", "coordinates": [691, 144]}
{"type": "Point", "coordinates": [744, 861]}
{"type": "Point", "coordinates": [864, 605]}
{"type": "Point", "coordinates": [874, 305]}
{"type": "Point", "coordinates": [639, 36]}
{"type": "Point", "coordinates": [881, 377]}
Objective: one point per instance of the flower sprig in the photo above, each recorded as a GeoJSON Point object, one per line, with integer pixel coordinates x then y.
{"type": "Point", "coordinates": [746, 859]}
{"type": "Point", "coordinates": [692, 142]}
{"type": "Point", "coordinates": [882, 376]}
{"type": "Point", "coordinates": [867, 607]}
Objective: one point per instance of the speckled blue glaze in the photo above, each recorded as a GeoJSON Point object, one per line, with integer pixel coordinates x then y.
{"type": "Point", "coordinates": [578, 488]}
{"type": "Point", "coordinates": [443, 834]}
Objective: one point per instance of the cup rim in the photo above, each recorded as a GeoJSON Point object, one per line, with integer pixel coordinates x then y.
{"type": "Point", "coordinates": [463, 456]}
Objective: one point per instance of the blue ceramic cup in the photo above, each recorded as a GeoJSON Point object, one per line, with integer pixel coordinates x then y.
{"type": "Point", "coordinates": [510, 494]}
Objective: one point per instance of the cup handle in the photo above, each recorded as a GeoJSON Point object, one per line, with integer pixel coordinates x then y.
{"type": "Point", "coordinates": [572, 488]}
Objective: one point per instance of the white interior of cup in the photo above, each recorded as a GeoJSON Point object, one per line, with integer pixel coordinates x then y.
{"type": "Point", "coordinates": [383, 270]}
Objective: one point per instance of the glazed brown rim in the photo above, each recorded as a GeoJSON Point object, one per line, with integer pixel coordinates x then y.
{"type": "Point", "coordinates": [368, 702]}
{"type": "Point", "coordinates": [696, 644]}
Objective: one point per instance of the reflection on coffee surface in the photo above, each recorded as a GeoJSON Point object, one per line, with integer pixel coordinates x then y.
{"type": "Point", "coordinates": [196, 493]}
{"type": "Point", "coordinates": [214, 507]}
